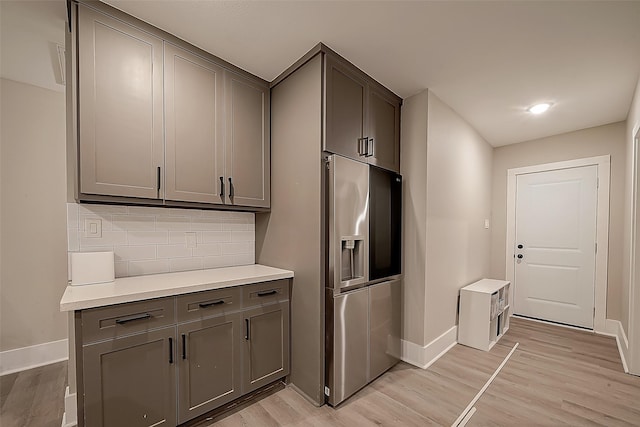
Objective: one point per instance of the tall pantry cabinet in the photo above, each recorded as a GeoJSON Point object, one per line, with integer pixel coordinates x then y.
{"type": "Point", "coordinates": [162, 122]}
{"type": "Point", "coordinates": [322, 103]}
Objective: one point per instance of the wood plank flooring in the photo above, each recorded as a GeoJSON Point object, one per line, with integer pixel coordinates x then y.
{"type": "Point", "coordinates": [556, 377]}
{"type": "Point", "coordinates": [34, 397]}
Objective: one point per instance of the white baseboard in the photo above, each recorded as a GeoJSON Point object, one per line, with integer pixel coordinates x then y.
{"type": "Point", "coordinates": [614, 328]}
{"type": "Point", "coordinates": [424, 356]}
{"type": "Point", "coordinates": [21, 359]}
{"type": "Point", "coordinates": [70, 417]}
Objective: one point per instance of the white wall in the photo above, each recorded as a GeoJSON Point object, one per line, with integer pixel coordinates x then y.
{"type": "Point", "coordinates": [33, 221]}
{"type": "Point", "coordinates": [458, 202]}
{"type": "Point", "coordinates": [413, 163]}
{"type": "Point", "coordinates": [446, 166]}
{"type": "Point", "coordinates": [630, 296]}
{"type": "Point", "coordinates": [597, 141]}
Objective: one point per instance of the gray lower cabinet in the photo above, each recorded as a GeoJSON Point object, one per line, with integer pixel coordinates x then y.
{"type": "Point", "coordinates": [208, 364]}
{"type": "Point", "coordinates": [165, 361]}
{"type": "Point", "coordinates": [266, 345]}
{"type": "Point", "coordinates": [130, 381]}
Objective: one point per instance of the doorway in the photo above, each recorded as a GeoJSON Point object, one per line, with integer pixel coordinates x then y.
{"type": "Point", "coordinates": [557, 241]}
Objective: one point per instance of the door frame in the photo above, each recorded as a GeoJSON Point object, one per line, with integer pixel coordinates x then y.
{"type": "Point", "coordinates": [603, 164]}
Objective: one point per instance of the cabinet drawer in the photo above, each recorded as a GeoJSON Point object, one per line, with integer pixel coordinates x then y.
{"type": "Point", "coordinates": [266, 292]}
{"type": "Point", "coordinates": [209, 303]}
{"type": "Point", "coordinates": [125, 319]}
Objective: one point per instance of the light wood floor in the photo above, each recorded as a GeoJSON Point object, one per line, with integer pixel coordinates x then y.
{"type": "Point", "coordinates": [34, 397]}
{"type": "Point", "coordinates": [557, 376]}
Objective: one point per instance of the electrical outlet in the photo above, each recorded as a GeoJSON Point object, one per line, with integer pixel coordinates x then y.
{"type": "Point", "coordinates": [93, 227]}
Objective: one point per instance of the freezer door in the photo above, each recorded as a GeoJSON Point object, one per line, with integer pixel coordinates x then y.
{"type": "Point", "coordinates": [348, 202]}
{"type": "Point", "coordinates": [348, 362]}
{"type": "Point", "coordinates": [384, 326]}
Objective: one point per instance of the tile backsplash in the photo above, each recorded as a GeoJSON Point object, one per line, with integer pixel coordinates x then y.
{"type": "Point", "coordinates": [148, 240]}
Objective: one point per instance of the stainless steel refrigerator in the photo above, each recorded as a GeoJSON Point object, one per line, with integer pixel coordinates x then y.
{"type": "Point", "coordinates": [363, 286]}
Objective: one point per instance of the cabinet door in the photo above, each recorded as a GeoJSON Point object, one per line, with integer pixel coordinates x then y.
{"type": "Point", "coordinates": [131, 381]}
{"type": "Point", "coordinates": [209, 361]}
{"type": "Point", "coordinates": [383, 129]}
{"type": "Point", "coordinates": [345, 103]}
{"type": "Point", "coordinates": [120, 108]}
{"type": "Point", "coordinates": [248, 159]}
{"type": "Point", "coordinates": [266, 345]}
{"type": "Point", "coordinates": [194, 126]}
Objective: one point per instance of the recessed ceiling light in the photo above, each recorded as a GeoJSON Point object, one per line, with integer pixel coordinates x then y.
{"type": "Point", "coordinates": [539, 108]}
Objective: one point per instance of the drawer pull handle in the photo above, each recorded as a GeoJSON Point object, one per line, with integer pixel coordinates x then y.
{"type": "Point", "coordinates": [209, 304]}
{"type": "Point", "coordinates": [170, 350]}
{"type": "Point", "coordinates": [246, 334]}
{"type": "Point", "coordinates": [127, 319]}
{"type": "Point", "coordinates": [267, 293]}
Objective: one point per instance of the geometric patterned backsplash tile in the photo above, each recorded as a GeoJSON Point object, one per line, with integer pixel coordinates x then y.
{"type": "Point", "coordinates": [149, 240]}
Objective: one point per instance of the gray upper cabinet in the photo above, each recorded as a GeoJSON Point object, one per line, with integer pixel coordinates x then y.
{"type": "Point", "coordinates": [383, 128]}
{"type": "Point", "coordinates": [345, 103]}
{"type": "Point", "coordinates": [362, 116]}
{"type": "Point", "coordinates": [120, 108]}
{"type": "Point", "coordinates": [194, 126]}
{"type": "Point", "coordinates": [162, 122]}
{"type": "Point", "coordinates": [247, 141]}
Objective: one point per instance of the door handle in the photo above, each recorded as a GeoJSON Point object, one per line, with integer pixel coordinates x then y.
{"type": "Point", "coordinates": [159, 177]}
{"type": "Point", "coordinates": [246, 333]}
{"type": "Point", "coordinates": [231, 191]}
{"type": "Point", "coordinates": [184, 346]}
{"type": "Point", "coordinates": [370, 153]}
{"type": "Point", "coordinates": [170, 350]}
{"type": "Point", "coordinates": [222, 188]}
{"type": "Point", "coordinates": [362, 146]}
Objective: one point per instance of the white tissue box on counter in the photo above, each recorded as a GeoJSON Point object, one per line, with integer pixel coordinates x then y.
{"type": "Point", "coordinates": [88, 268]}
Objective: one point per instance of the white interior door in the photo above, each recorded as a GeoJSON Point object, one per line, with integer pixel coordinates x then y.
{"type": "Point", "coordinates": [556, 245]}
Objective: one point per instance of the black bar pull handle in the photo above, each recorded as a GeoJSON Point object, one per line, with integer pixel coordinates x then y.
{"type": "Point", "coordinates": [222, 188]}
{"type": "Point", "coordinates": [231, 191]}
{"type": "Point", "coordinates": [123, 320]}
{"type": "Point", "coordinates": [170, 350]}
{"type": "Point", "coordinates": [184, 346]}
{"type": "Point", "coordinates": [246, 331]}
{"type": "Point", "coordinates": [209, 304]}
{"type": "Point", "coordinates": [159, 181]}
{"type": "Point", "coordinates": [267, 293]}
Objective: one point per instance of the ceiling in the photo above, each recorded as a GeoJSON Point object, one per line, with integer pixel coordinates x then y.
{"type": "Point", "coordinates": [489, 61]}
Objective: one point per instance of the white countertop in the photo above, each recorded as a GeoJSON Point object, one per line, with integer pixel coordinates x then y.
{"type": "Point", "coordinates": [128, 289]}
{"type": "Point", "coordinates": [487, 286]}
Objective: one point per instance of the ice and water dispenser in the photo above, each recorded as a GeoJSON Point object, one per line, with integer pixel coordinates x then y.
{"type": "Point", "coordinates": [351, 259]}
